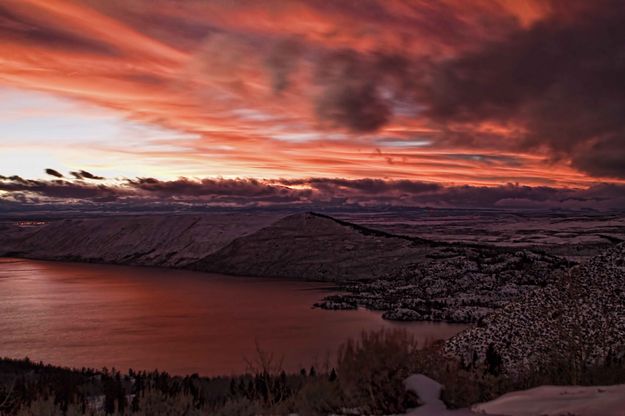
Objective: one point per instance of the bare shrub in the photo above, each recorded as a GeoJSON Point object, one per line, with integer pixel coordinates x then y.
{"type": "Point", "coordinates": [318, 397]}
{"type": "Point", "coordinates": [155, 402]}
{"type": "Point", "coordinates": [270, 384]}
{"type": "Point", "coordinates": [372, 370]}
{"type": "Point", "coordinates": [239, 407]}
{"type": "Point", "coordinates": [41, 407]}
{"type": "Point", "coordinates": [7, 401]}
{"type": "Point", "coordinates": [462, 388]}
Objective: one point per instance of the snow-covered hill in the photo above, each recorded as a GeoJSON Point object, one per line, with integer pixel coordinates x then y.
{"type": "Point", "coordinates": [316, 247]}
{"type": "Point", "coordinates": [146, 240]}
{"type": "Point", "coordinates": [580, 317]}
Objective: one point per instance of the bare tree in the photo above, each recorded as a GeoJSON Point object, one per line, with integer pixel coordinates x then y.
{"type": "Point", "coordinates": [7, 402]}
{"type": "Point", "coordinates": [267, 369]}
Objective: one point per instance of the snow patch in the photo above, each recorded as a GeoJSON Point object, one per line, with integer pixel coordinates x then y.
{"type": "Point", "coordinates": [543, 401]}
{"type": "Point", "coordinates": [558, 401]}
{"type": "Point", "coordinates": [429, 392]}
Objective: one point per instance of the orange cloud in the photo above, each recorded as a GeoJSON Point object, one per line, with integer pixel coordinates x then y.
{"type": "Point", "coordinates": [282, 89]}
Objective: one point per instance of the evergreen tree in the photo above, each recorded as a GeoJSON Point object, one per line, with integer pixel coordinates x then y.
{"type": "Point", "coordinates": [493, 360]}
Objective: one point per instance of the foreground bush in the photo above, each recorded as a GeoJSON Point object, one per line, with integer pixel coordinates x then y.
{"type": "Point", "coordinates": [372, 371]}
{"type": "Point", "coordinates": [368, 380]}
{"type": "Point", "coordinates": [481, 382]}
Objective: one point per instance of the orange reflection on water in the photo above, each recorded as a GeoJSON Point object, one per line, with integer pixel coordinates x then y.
{"type": "Point", "coordinates": [179, 321]}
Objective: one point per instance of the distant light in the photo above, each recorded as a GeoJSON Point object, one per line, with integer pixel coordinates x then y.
{"type": "Point", "coordinates": [404, 143]}
{"type": "Point", "coordinates": [252, 115]}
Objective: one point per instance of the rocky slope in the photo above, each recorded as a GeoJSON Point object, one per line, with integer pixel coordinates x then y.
{"type": "Point", "coordinates": [580, 317]}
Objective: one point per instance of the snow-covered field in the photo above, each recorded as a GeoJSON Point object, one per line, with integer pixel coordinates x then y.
{"type": "Point", "coordinates": [539, 401]}
{"type": "Point", "coordinates": [573, 235]}
{"type": "Point", "coordinates": [559, 401]}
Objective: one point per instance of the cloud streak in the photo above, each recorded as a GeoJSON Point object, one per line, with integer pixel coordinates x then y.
{"type": "Point", "coordinates": [493, 91]}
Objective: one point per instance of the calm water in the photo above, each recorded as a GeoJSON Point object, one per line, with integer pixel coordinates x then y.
{"type": "Point", "coordinates": [182, 322]}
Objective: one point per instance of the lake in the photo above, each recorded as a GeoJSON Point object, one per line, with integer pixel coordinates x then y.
{"type": "Point", "coordinates": [183, 322]}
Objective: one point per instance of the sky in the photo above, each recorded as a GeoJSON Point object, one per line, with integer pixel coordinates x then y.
{"type": "Point", "coordinates": [265, 102]}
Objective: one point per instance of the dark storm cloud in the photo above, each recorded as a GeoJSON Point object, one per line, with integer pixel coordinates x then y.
{"type": "Point", "coordinates": [282, 60]}
{"type": "Point", "coordinates": [600, 197]}
{"type": "Point", "coordinates": [349, 94]}
{"type": "Point", "coordinates": [57, 189]}
{"type": "Point", "coordinates": [358, 91]}
{"type": "Point", "coordinates": [311, 192]}
{"type": "Point", "coordinates": [562, 79]}
{"type": "Point", "coordinates": [351, 90]}
{"type": "Point", "coordinates": [53, 172]}
{"type": "Point", "coordinates": [604, 156]}
{"type": "Point", "coordinates": [83, 174]}
{"type": "Point", "coordinates": [377, 192]}
{"type": "Point", "coordinates": [365, 186]}
{"type": "Point", "coordinates": [184, 187]}
{"type": "Point", "coordinates": [13, 178]}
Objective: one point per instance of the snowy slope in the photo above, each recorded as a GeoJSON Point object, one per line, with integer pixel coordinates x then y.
{"type": "Point", "coordinates": [558, 401]}
{"type": "Point", "coordinates": [146, 240]}
{"type": "Point", "coordinates": [539, 401]}
{"type": "Point", "coordinates": [582, 313]}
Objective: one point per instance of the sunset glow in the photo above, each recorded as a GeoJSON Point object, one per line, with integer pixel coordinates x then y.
{"type": "Point", "coordinates": [484, 93]}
